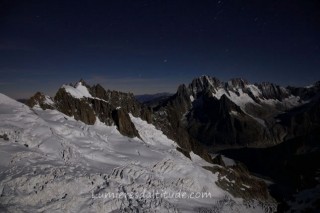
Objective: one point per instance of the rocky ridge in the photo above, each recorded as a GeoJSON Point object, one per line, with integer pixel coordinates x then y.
{"type": "Point", "coordinates": [206, 113]}
{"type": "Point", "coordinates": [231, 114]}
{"type": "Point", "coordinates": [87, 104]}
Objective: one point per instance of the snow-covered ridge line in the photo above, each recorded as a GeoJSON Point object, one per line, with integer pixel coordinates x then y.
{"type": "Point", "coordinates": [238, 88]}
{"type": "Point", "coordinates": [243, 93]}
{"type": "Point", "coordinates": [79, 91]}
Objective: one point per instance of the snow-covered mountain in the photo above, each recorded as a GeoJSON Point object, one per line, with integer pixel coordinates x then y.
{"type": "Point", "coordinates": [243, 93]}
{"type": "Point", "coordinates": [234, 113]}
{"type": "Point", "coordinates": [54, 162]}
{"type": "Point", "coordinates": [277, 129]}
{"type": "Point", "coordinates": [67, 153]}
{"type": "Point", "coordinates": [206, 112]}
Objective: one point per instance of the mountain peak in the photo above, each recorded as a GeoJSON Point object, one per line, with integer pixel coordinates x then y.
{"type": "Point", "coordinates": [204, 83]}
{"type": "Point", "coordinates": [79, 90]}
{"type": "Point", "coordinates": [82, 82]}
{"type": "Point", "coordinates": [44, 101]}
{"type": "Point", "coordinates": [237, 83]}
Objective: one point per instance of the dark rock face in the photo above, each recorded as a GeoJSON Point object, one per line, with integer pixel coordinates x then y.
{"type": "Point", "coordinates": [306, 93]}
{"type": "Point", "coordinates": [79, 108]}
{"type": "Point", "coordinates": [206, 120]}
{"type": "Point", "coordinates": [39, 99]}
{"type": "Point", "coordinates": [184, 152]}
{"type": "Point", "coordinates": [303, 120]}
{"type": "Point", "coordinates": [103, 107]}
{"type": "Point", "coordinates": [218, 160]}
{"type": "Point", "coordinates": [271, 91]}
{"type": "Point", "coordinates": [211, 123]}
{"type": "Point", "coordinates": [124, 124]}
{"type": "Point", "coordinates": [291, 165]}
{"type": "Point", "coordinates": [170, 118]}
{"type": "Point", "coordinates": [126, 101]}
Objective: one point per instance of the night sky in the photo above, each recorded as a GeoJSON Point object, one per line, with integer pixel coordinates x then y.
{"type": "Point", "coordinates": [151, 46]}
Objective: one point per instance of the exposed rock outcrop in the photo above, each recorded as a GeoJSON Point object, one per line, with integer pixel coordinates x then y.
{"type": "Point", "coordinates": [218, 122]}
{"type": "Point", "coordinates": [124, 124]}
{"type": "Point", "coordinates": [79, 108]}
{"type": "Point", "coordinates": [45, 102]}
{"type": "Point", "coordinates": [88, 104]}
{"type": "Point", "coordinates": [218, 160]}
{"type": "Point", "coordinates": [170, 117]}
{"type": "Point", "coordinates": [238, 181]}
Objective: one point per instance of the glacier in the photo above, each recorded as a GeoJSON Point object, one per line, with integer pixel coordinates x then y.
{"type": "Point", "coordinates": [54, 163]}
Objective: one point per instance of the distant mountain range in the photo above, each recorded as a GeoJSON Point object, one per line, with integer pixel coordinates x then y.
{"type": "Point", "coordinates": [207, 116]}
{"type": "Point", "coordinates": [152, 97]}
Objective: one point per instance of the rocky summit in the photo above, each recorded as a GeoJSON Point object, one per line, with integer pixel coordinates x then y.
{"type": "Point", "coordinates": [86, 103]}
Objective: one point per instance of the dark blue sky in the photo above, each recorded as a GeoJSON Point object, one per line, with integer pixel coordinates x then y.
{"type": "Point", "coordinates": [150, 46]}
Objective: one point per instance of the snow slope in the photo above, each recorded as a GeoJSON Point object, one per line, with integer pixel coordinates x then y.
{"type": "Point", "coordinates": [54, 163]}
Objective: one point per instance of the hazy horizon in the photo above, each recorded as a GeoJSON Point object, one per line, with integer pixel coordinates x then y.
{"type": "Point", "coordinates": [115, 87]}
{"type": "Point", "coordinates": [150, 46]}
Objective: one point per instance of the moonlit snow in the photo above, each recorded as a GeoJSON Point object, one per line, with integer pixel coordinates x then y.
{"type": "Point", "coordinates": [79, 91]}
{"type": "Point", "coordinates": [53, 163]}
